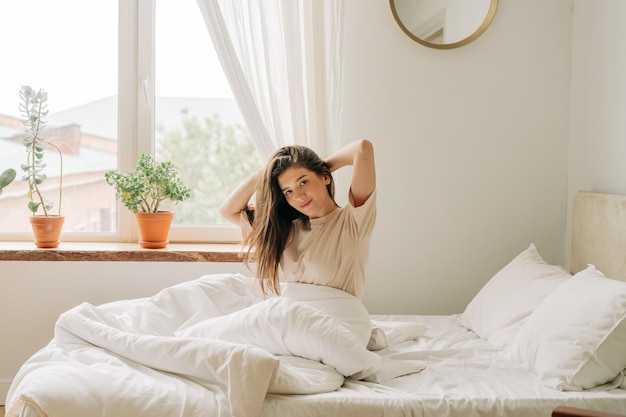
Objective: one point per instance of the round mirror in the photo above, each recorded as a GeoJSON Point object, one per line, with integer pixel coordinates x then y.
{"type": "Point", "coordinates": [443, 24]}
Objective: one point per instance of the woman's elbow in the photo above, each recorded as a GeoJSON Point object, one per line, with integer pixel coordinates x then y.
{"type": "Point", "coordinates": [228, 214]}
{"type": "Point", "coordinates": [366, 146]}
{"type": "Point", "coordinates": [366, 149]}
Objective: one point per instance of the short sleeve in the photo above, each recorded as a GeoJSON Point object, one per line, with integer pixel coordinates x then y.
{"type": "Point", "coordinates": [365, 214]}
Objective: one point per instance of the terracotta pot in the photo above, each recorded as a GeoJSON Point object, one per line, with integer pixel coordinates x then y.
{"type": "Point", "coordinates": [47, 230]}
{"type": "Point", "coordinates": [154, 229]}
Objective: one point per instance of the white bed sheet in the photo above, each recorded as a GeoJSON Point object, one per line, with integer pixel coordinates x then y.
{"type": "Point", "coordinates": [464, 376]}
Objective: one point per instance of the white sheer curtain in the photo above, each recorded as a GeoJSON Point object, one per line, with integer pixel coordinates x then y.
{"type": "Point", "coordinates": [282, 59]}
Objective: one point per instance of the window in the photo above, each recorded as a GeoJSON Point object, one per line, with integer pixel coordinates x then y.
{"type": "Point", "coordinates": [68, 48]}
{"type": "Point", "coordinates": [173, 102]}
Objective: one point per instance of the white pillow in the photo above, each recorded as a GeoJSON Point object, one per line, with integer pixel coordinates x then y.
{"type": "Point", "coordinates": [576, 338]}
{"type": "Point", "coordinates": [499, 309]}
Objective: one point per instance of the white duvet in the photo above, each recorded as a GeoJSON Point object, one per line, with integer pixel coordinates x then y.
{"type": "Point", "coordinates": [212, 346]}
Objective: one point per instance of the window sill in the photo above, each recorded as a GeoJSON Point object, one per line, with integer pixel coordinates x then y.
{"type": "Point", "coordinates": [121, 252]}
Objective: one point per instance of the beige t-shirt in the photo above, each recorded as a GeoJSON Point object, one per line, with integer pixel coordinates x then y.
{"type": "Point", "coordinates": [334, 252]}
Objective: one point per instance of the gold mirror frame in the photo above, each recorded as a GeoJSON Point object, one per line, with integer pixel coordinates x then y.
{"type": "Point", "coordinates": [491, 11]}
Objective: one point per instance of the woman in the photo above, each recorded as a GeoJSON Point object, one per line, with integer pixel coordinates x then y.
{"type": "Point", "coordinates": [297, 227]}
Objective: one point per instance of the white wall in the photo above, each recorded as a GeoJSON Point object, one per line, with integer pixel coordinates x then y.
{"type": "Point", "coordinates": [471, 149]}
{"type": "Point", "coordinates": [597, 146]}
{"type": "Point", "coordinates": [472, 159]}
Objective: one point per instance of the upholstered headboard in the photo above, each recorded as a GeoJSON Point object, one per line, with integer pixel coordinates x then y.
{"type": "Point", "coordinates": [599, 233]}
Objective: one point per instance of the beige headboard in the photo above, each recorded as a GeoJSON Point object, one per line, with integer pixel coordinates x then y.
{"type": "Point", "coordinates": [599, 233]}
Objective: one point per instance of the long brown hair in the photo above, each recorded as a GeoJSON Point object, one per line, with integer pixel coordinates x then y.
{"type": "Point", "coordinates": [272, 218]}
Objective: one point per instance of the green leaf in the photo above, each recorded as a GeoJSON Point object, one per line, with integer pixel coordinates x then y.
{"type": "Point", "coordinates": [7, 177]}
{"type": "Point", "coordinates": [32, 206]}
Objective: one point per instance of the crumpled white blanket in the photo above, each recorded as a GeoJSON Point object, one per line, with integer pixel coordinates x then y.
{"type": "Point", "coordinates": [212, 346]}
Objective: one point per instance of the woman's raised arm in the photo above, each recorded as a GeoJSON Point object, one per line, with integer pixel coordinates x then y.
{"type": "Point", "coordinates": [359, 154]}
{"type": "Point", "coordinates": [238, 200]}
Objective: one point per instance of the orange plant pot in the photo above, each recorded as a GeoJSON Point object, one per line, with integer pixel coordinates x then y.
{"type": "Point", "coordinates": [47, 230]}
{"type": "Point", "coordinates": [154, 229]}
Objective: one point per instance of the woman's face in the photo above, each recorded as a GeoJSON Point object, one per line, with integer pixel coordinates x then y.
{"type": "Point", "coordinates": [306, 191]}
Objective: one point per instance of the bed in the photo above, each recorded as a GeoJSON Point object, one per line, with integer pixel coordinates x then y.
{"type": "Point", "coordinates": [536, 340]}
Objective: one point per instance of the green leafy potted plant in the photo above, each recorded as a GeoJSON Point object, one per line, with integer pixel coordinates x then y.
{"type": "Point", "coordinates": [6, 178]}
{"type": "Point", "coordinates": [142, 191]}
{"type": "Point", "coordinates": [46, 226]}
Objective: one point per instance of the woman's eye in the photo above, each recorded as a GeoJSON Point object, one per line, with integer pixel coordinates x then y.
{"type": "Point", "coordinates": [287, 193]}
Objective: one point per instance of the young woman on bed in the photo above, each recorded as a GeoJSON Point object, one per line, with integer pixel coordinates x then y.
{"type": "Point", "coordinates": [297, 227]}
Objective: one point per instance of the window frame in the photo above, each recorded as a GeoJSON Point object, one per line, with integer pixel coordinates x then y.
{"type": "Point", "coordinates": [139, 65]}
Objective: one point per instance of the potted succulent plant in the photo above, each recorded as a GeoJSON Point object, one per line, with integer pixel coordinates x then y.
{"type": "Point", "coordinates": [142, 191]}
{"type": "Point", "coordinates": [6, 178]}
{"type": "Point", "coordinates": [46, 226]}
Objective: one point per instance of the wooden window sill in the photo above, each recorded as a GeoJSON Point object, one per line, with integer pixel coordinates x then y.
{"type": "Point", "coordinates": [121, 252]}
